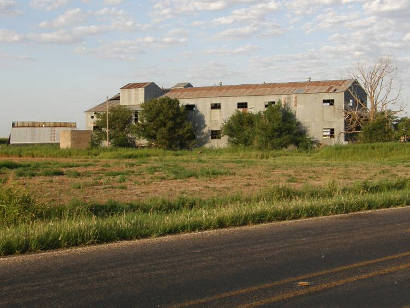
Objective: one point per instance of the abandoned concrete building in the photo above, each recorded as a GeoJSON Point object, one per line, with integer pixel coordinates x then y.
{"type": "Point", "coordinates": [319, 105]}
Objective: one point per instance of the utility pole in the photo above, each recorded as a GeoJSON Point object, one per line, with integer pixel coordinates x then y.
{"type": "Point", "coordinates": [108, 130]}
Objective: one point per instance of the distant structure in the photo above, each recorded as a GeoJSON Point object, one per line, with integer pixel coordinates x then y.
{"type": "Point", "coordinates": [75, 139]}
{"type": "Point", "coordinates": [131, 95]}
{"type": "Point", "coordinates": [38, 132]}
{"type": "Point", "coordinates": [183, 85]}
{"type": "Point", "coordinates": [319, 105]}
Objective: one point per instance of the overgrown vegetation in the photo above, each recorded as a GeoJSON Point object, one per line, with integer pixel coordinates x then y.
{"type": "Point", "coordinates": [27, 225]}
{"type": "Point", "coordinates": [274, 128]}
{"type": "Point", "coordinates": [61, 202]}
{"type": "Point", "coordinates": [4, 140]}
{"type": "Point", "coordinates": [122, 130]}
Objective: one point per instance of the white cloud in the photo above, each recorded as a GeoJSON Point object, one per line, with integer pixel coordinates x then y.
{"type": "Point", "coordinates": [255, 13]}
{"type": "Point", "coordinates": [59, 36]}
{"type": "Point", "coordinates": [113, 2]}
{"type": "Point", "coordinates": [68, 18]}
{"type": "Point", "coordinates": [8, 36]}
{"type": "Point", "coordinates": [226, 51]}
{"type": "Point", "coordinates": [253, 29]}
{"type": "Point", "coordinates": [387, 6]}
{"type": "Point", "coordinates": [302, 7]}
{"type": "Point", "coordinates": [120, 20]}
{"type": "Point", "coordinates": [170, 8]}
{"type": "Point", "coordinates": [238, 32]}
{"type": "Point", "coordinates": [8, 8]}
{"type": "Point", "coordinates": [48, 4]}
{"type": "Point", "coordinates": [131, 49]}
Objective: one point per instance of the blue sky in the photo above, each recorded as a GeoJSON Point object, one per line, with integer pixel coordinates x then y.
{"type": "Point", "coordinates": [60, 57]}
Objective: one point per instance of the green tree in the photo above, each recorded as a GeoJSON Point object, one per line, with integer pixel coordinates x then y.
{"type": "Point", "coordinates": [380, 129]}
{"type": "Point", "coordinates": [240, 128]}
{"type": "Point", "coordinates": [403, 129]}
{"type": "Point", "coordinates": [164, 123]}
{"type": "Point", "coordinates": [122, 131]}
{"type": "Point", "coordinates": [277, 128]}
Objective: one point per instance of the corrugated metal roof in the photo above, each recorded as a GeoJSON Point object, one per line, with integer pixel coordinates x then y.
{"type": "Point", "coordinates": [113, 101]}
{"type": "Point", "coordinates": [182, 85]}
{"type": "Point", "coordinates": [329, 86]}
{"type": "Point", "coordinates": [136, 85]}
{"type": "Point", "coordinates": [103, 107]}
{"type": "Point", "coordinates": [16, 124]}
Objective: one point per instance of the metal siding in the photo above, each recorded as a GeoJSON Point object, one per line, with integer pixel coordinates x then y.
{"type": "Point", "coordinates": [36, 135]}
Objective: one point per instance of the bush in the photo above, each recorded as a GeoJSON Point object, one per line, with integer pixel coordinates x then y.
{"type": "Point", "coordinates": [275, 128]}
{"type": "Point", "coordinates": [122, 131]}
{"type": "Point", "coordinates": [378, 130]}
{"type": "Point", "coordinates": [403, 129]}
{"type": "Point", "coordinates": [278, 128]}
{"type": "Point", "coordinates": [18, 207]}
{"type": "Point", "coordinates": [240, 128]}
{"type": "Point", "coordinates": [4, 140]}
{"type": "Point", "coordinates": [164, 123]}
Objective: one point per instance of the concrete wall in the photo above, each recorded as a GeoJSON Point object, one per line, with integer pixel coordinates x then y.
{"type": "Point", "coordinates": [152, 91]}
{"type": "Point", "coordinates": [75, 139]}
{"type": "Point", "coordinates": [315, 116]}
{"type": "Point", "coordinates": [206, 119]}
{"type": "Point", "coordinates": [134, 96]}
{"type": "Point", "coordinates": [138, 96]}
{"type": "Point", "coordinates": [309, 110]}
{"type": "Point", "coordinates": [36, 135]}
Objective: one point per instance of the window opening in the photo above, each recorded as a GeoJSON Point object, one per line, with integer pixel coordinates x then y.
{"type": "Point", "coordinates": [216, 134]}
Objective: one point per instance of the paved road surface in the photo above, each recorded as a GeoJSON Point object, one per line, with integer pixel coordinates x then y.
{"type": "Point", "coordinates": [359, 260]}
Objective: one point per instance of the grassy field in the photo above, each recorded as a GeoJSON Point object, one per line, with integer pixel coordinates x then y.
{"type": "Point", "coordinates": [51, 198]}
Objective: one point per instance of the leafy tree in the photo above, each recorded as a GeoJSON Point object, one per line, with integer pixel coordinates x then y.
{"type": "Point", "coordinates": [403, 129]}
{"type": "Point", "coordinates": [122, 132]}
{"type": "Point", "coordinates": [240, 128]}
{"type": "Point", "coordinates": [378, 130]}
{"type": "Point", "coordinates": [164, 123]}
{"type": "Point", "coordinates": [277, 127]}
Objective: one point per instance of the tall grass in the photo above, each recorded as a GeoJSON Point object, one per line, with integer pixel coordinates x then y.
{"type": "Point", "coordinates": [27, 225]}
{"type": "Point", "coordinates": [92, 230]}
{"type": "Point", "coordinates": [392, 151]}
{"type": "Point", "coordinates": [352, 152]}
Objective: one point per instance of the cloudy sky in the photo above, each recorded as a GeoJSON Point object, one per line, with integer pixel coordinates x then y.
{"type": "Point", "coordinates": [60, 57]}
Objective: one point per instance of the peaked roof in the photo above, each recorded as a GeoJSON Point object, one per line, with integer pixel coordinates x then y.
{"type": "Point", "coordinates": [182, 85]}
{"type": "Point", "coordinates": [307, 87]}
{"type": "Point", "coordinates": [136, 85]}
{"type": "Point", "coordinates": [113, 101]}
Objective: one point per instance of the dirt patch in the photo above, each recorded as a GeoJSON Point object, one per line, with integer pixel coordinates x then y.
{"type": "Point", "coordinates": [128, 180]}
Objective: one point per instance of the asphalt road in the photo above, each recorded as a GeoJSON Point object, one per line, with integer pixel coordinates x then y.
{"type": "Point", "coordinates": [359, 260]}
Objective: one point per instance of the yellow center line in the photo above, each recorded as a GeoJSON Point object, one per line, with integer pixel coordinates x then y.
{"type": "Point", "coordinates": [321, 287]}
{"type": "Point", "coordinates": [287, 280]}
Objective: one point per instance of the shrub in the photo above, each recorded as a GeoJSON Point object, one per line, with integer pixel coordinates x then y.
{"type": "Point", "coordinates": [240, 128]}
{"type": "Point", "coordinates": [277, 127]}
{"type": "Point", "coordinates": [378, 130]}
{"type": "Point", "coordinates": [403, 129]}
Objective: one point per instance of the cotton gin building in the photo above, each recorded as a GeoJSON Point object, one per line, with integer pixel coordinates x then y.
{"type": "Point", "coordinates": [38, 132]}
{"type": "Point", "coordinates": [319, 105]}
